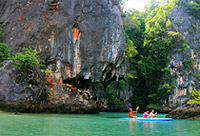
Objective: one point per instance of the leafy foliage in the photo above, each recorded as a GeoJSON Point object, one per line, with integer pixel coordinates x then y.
{"type": "Point", "coordinates": [163, 91]}
{"type": "Point", "coordinates": [98, 85]}
{"type": "Point", "coordinates": [152, 40]}
{"type": "Point", "coordinates": [4, 52]}
{"type": "Point", "coordinates": [194, 8]}
{"type": "Point", "coordinates": [30, 65]}
{"type": "Point", "coordinates": [195, 97]}
{"type": "Point", "coordinates": [153, 106]}
{"type": "Point", "coordinates": [153, 4]}
{"type": "Point", "coordinates": [1, 34]}
{"type": "Point", "coordinates": [130, 50]}
{"type": "Point", "coordinates": [187, 63]}
{"type": "Point", "coordinates": [113, 92]}
{"type": "Point", "coordinates": [112, 97]}
{"type": "Point", "coordinates": [26, 61]}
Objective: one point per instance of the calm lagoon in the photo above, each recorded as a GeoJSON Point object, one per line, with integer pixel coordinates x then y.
{"type": "Point", "coordinates": [103, 124]}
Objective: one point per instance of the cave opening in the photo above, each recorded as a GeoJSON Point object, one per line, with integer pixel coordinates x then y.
{"type": "Point", "coordinates": [79, 82]}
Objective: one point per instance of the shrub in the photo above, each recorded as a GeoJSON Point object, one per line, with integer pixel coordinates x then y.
{"type": "Point", "coordinates": [98, 85]}
{"type": "Point", "coordinates": [188, 62]}
{"type": "Point", "coordinates": [112, 97]}
{"type": "Point", "coordinates": [26, 61]}
{"type": "Point", "coordinates": [4, 52]}
{"type": "Point", "coordinates": [29, 63]}
{"type": "Point", "coordinates": [153, 106]}
{"type": "Point", "coordinates": [195, 97]}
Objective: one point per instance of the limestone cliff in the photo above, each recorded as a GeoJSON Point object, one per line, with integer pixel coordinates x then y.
{"type": "Point", "coordinates": [82, 43]}
{"type": "Point", "coordinates": [184, 62]}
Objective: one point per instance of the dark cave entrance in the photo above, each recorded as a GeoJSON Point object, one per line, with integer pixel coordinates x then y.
{"type": "Point", "coordinates": [80, 82]}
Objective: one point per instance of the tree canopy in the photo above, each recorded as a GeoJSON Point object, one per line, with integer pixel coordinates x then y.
{"type": "Point", "coordinates": [148, 43]}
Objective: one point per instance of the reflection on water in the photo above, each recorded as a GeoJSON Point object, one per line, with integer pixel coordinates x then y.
{"type": "Point", "coordinates": [164, 128]}
{"type": "Point", "coordinates": [145, 126]}
{"type": "Point", "coordinates": [132, 128]}
{"type": "Point", "coordinates": [139, 126]}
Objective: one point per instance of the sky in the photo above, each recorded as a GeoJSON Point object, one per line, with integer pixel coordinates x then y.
{"type": "Point", "coordinates": [137, 4]}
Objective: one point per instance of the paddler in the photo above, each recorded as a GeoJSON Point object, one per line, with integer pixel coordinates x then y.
{"type": "Point", "coordinates": [130, 115]}
{"type": "Point", "coordinates": [152, 115]}
{"type": "Point", "coordinates": [145, 115]}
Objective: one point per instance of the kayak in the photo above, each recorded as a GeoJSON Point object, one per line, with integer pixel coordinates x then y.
{"type": "Point", "coordinates": [148, 119]}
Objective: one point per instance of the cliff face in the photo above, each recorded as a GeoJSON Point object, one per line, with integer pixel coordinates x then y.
{"type": "Point", "coordinates": [184, 63]}
{"type": "Point", "coordinates": [81, 41]}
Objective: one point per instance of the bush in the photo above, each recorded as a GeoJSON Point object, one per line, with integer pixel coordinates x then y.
{"type": "Point", "coordinates": [112, 97]}
{"type": "Point", "coordinates": [30, 64]}
{"type": "Point", "coordinates": [4, 52]}
{"type": "Point", "coordinates": [26, 61]}
{"type": "Point", "coordinates": [195, 97]}
{"type": "Point", "coordinates": [98, 85]}
{"type": "Point", "coordinates": [153, 106]}
{"type": "Point", "coordinates": [166, 88]}
{"type": "Point", "coordinates": [188, 62]}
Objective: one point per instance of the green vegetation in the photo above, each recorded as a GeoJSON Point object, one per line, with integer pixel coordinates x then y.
{"type": "Point", "coordinates": [112, 96]}
{"type": "Point", "coordinates": [130, 50]}
{"type": "Point", "coordinates": [194, 26]}
{"type": "Point", "coordinates": [189, 62]}
{"type": "Point", "coordinates": [194, 8]}
{"type": "Point", "coordinates": [51, 94]}
{"type": "Point", "coordinates": [26, 61]}
{"type": "Point", "coordinates": [4, 52]}
{"type": "Point", "coordinates": [1, 34]}
{"type": "Point", "coordinates": [30, 64]}
{"type": "Point", "coordinates": [180, 2]}
{"type": "Point", "coordinates": [113, 92]}
{"type": "Point", "coordinates": [153, 106]}
{"type": "Point", "coordinates": [195, 97]}
{"type": "Point", "coordinates": [98, 85]}
{"type": "Point", "coordinates": [149, 40]}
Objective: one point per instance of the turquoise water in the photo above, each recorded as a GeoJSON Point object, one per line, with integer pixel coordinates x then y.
{"type": "Point", "coordinates": [103, 124]}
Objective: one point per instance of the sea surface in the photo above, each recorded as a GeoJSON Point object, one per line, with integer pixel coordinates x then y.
{"type": "Point", "coordinates": [102, 124]}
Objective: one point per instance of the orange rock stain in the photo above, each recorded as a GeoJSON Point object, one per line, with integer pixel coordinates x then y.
{"type": "Point", "coordinates": [76, 33]}
{"type": "Point", "coordinates": [69, 68]}
{"type": "Point", "coordinates": [77, 68]}
{"type": "Point", "coordinates": [27, 27]}
{"type": "Point", "coordinates": [51, 39]}
{"type": "Point", "coordinates": [52, 83]}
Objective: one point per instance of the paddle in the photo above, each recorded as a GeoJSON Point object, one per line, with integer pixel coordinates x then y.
{"type": "Point", "coordinates": [137, 108]}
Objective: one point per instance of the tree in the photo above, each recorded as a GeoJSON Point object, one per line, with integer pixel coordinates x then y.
{"type": "Point", "coordinates": [148, 43]}
{"type": "Point", "coordinates": [148, 32]}
{"type": "Point", "coordinates": [153, 4]}
{"type": "Point", "coordinates": [130, 49]}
